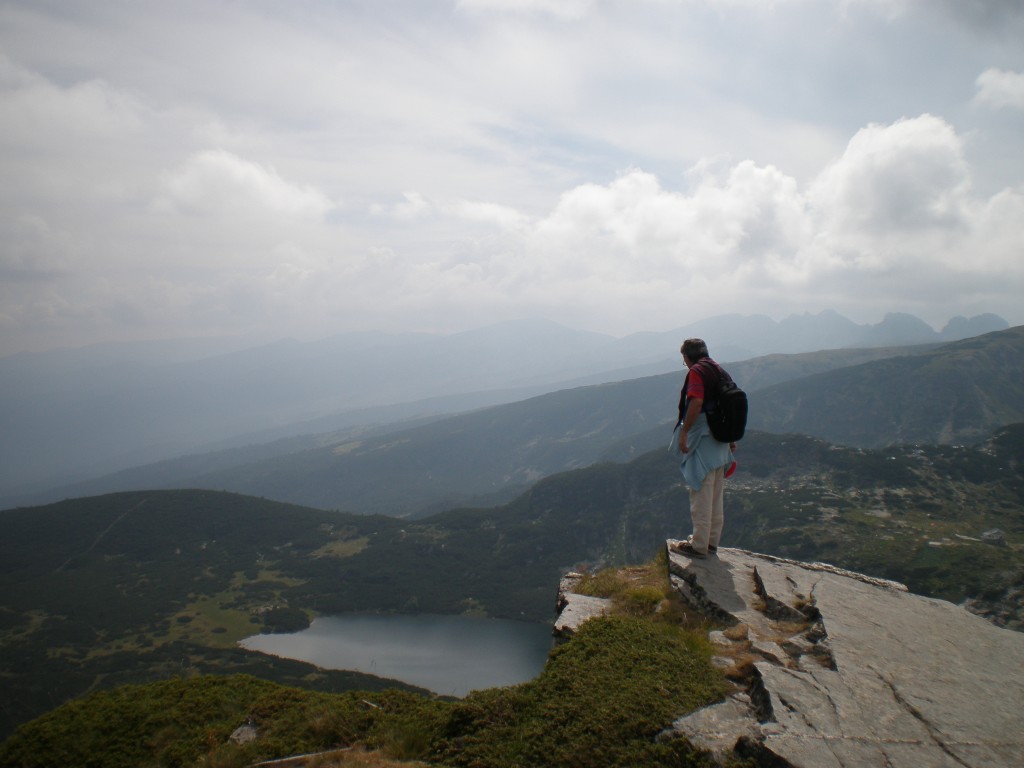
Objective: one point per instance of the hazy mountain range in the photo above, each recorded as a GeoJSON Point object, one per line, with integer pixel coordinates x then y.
{"type": "Point", "coordinates": [74, 414]}
{"type": "Point", "coordinates": [956, 392]}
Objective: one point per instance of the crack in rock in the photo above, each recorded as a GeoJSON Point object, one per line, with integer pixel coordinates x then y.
{"type": "Point", "coordinates": [914, 712]}
{"type": "Point", "coordinates": [697, 597]}
{"type": "Point", "coordinates": [857, 671]}
{"type": "Point", "coordinates": [773, 607]}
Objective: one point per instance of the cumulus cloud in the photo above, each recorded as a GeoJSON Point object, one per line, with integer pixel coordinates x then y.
{"type": "Point", "coordinates": [892, 222]}
{"type": "Point", "coordinates": [74, 143]}
{"type": "Point", "coordinates": [613, 165]}
{"type": "Point", "coordinates": [36, 111]}
{"type": "Point", "coordinates": [635, 230]}
{"type": "Point", "coordinates": [415, 208]}
{"type": "Point", "coordinates": [501, 216]}
{"type": "Point", "coordinates": [1000, 89]}
{"type": "Point", "coordinates": [412, 206]}
{"type": "Point", "coordinates": [219, 182]}
{"type": "Point", "coordinates": [895, 216]}
{"type": "Point", "coordinates": [899, 179]}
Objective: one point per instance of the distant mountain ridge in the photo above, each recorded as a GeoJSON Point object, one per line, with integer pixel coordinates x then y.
{"type": "Point", "coordinates": [739, 337]}
{"type": "Point", "coordinates": [869, 397]}
{"type": "Point", "coordinates": [73, 414]}
{"type": "Point", "coordinates": [956, 393]}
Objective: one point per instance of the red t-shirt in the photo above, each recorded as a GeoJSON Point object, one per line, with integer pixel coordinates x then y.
{"type": "Point", "coordinates": [694, 388]}
{"type": "Point", "coordinates": [694, 384]}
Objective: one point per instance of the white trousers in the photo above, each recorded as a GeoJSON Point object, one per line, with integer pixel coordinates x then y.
{"type": "Point", "coordinates": [707, 509]}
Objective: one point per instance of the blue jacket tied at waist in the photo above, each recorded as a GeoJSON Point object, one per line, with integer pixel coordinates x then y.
{"type": "Point", "coordinates": [706, 454]}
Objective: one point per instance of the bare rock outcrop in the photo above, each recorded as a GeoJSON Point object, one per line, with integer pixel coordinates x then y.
{"type": "Point", "coordinates": [845, 671]}
{"type": "Point", "coordinates": [573, 609]}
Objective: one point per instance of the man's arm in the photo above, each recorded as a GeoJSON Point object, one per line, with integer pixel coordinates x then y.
{"type": "Point", "coordinates": [692, 413]}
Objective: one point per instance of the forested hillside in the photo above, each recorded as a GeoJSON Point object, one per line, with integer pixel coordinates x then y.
{"type": "Point", "coordinates": [957, 393]}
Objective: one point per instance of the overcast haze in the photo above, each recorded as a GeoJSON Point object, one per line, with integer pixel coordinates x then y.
{"type": "Point", "coordinates": [302, 169]}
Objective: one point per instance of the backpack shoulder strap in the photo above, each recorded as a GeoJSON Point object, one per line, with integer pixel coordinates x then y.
{"type": "Point", "coordinates": [710, 373]}
{"type": "Point", "coordinates": [682, 399]}
{"type": "Point", "coordinates": [719, 376]}
{"type": "Point", "coordinates": [706, 369]}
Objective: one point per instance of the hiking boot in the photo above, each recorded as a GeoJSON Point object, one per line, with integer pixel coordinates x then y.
{"type": "Point", "coordinates": [686, 548]}
{"type": "Point", "coordinates": [711, 549]}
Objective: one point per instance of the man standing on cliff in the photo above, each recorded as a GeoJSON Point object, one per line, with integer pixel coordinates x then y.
{"type": "Point", "coordinates": [704, 459]}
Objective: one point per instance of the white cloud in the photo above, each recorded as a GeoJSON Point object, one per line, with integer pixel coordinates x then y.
{"type": "Point", "coordinates": [999, 88]}
{"type": "Point", "coordinates": [415, 208]}
{"type": "Point", "coordinates": [903, 178]}
{"type": "Point", "coordinates": [637, 230]}
{"type": "Point", "coordinates": [33, 249]}
{"type": "Point", "coordinates": [501, 216]}
{"type": "Point", "coordinates": [68, 145]}
{"type": "Point", "coordinates": [412, 206]}
{"type": "Point", "coordinates": [895, 215]}
{"type": "Point", "coordinates": [36, 112]}
{"type": "Point", "coordinates": [563, 9]}
{"type": "Point", "coordinates": [613, 165]}
{"type": "Point", "coordinates": [219, 182]}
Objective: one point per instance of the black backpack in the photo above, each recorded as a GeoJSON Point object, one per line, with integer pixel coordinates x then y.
{"type": "Point", "coordinates": [725, 404]}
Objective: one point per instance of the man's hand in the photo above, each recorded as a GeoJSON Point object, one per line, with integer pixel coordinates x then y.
{"type": "Point", "coordinates": [682, 442]}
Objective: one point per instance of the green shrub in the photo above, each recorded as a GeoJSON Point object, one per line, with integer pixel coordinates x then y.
{"type": "Point", "coordinates": [602, 700]}
{"type": "Point", "coordinates": [640, 601]}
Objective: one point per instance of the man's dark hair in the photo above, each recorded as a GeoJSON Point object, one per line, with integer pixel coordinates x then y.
{"type": "Point", "coordinates": [694, 349]}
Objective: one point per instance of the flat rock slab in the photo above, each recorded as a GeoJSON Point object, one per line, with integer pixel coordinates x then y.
{"type": "Point", "coordinates": [851, 671]}
{"type": "Point", "coordinates": [578, 609]}
{"type": "Point", "coordinates": [573, 608]}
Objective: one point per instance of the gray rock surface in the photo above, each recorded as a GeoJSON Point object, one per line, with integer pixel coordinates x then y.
{"type": "Point", "coordinates": [844, 670]}
{"type": "Point", "coordinates": [244, 734]}
{"type": "Point", "coordinates": [573, 609]}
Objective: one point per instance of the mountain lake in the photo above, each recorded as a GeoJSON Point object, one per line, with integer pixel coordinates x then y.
{"type": "Point", "coordinates": [449, 655]}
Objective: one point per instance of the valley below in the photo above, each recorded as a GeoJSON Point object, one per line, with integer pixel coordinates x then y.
{"type": "Point", "coordinates": [136, 586]}
{"type": "Point", "coordinates": [125, 583]}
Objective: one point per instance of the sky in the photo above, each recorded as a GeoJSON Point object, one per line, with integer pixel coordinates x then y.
{"type": "Point", "coordinates": [265, 169]}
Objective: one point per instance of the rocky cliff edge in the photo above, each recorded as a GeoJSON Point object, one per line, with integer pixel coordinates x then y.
{"type": "Point", "coordinates": [842, 670]}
